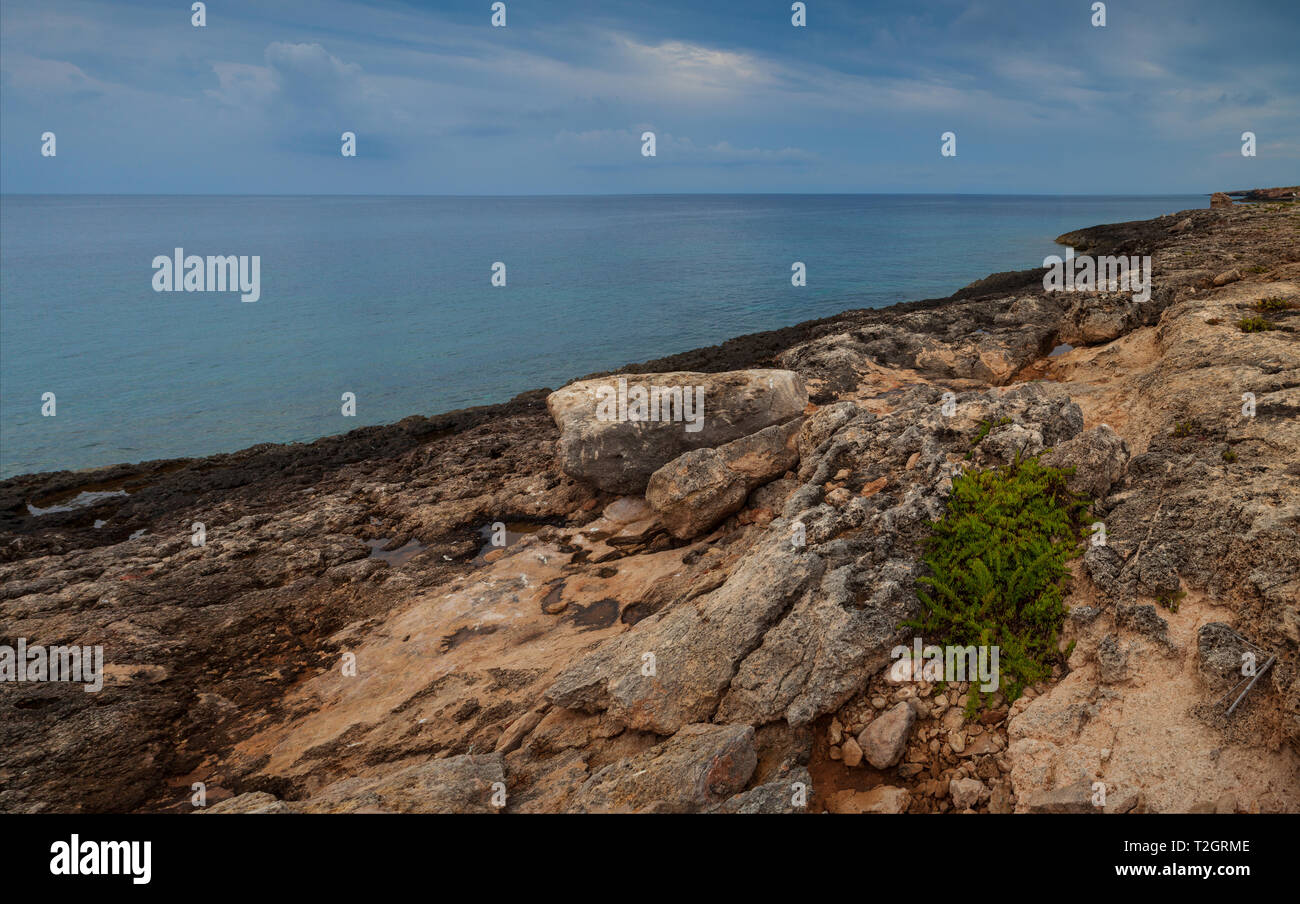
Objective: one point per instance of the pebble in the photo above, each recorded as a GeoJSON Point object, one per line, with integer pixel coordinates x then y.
{"type": "Point", "coordinates": [851, 752]}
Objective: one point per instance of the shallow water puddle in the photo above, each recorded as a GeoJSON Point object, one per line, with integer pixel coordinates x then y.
{"type": "Point", "coordinates": [514, 531]}
{"type": "Point", "coordinates": [394, 557]}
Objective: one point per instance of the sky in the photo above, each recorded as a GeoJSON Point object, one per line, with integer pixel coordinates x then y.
{"type": "Point", "coordinates": [740, 100]}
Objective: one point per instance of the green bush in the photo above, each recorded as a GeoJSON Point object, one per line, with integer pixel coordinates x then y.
{"type": "Point", "coordinates": [1255, 325]}
{"type": "Point", "coordinates": [1272, 305]}
{"type": "Point", "coordinates": [997, 569]}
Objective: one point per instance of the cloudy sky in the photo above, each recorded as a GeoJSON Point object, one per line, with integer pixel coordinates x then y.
{"type": "Point", "coordinates": [741, 101]}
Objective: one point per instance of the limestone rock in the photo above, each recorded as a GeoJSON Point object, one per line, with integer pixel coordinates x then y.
{"type": "Point", "coordinates": [1220, 655]}
{"type": "Point", "coordinates": [458, 784]}
{"type": "Point", "coordinates": [620, 455]}
{"type": "Point", "coordinates": [967, 793]}
{"type": "Point", "coordinates": [251, 802]}
{"type": "Point", "coordinates": [1099, 456]}
{"type": "Point", "coordinates": [885, 739]}
{"type": "Point", "coordinates": [1112, 660]}
{"type": "Point", "coordinates": [698, 767]}
{"type": "Point", "coordinates": [697, 490]}
{"type": "Point", "coordinates": [788, 794]}
{"type": "Point", "coordinates": [696, 647]}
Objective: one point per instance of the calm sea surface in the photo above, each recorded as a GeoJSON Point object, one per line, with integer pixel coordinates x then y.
{"type": "Point", "coordinates": [391, 299]}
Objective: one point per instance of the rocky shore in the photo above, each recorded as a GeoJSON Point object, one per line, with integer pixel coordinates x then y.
{"type": "Point", "coordinates": [675, 621]}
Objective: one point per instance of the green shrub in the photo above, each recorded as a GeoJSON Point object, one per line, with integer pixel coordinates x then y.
{"type": "Point", "coordinates": [997, 571]}
{"type": "Point", "coordinates": [1171, 600]}
{"type": "Point", "coordinates": [1255, 325]}
{"type": "Point", "coordinates": [1272, 305]}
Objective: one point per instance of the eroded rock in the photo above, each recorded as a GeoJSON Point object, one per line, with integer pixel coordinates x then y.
{"type": "Point", "coordinates": [617, 452]}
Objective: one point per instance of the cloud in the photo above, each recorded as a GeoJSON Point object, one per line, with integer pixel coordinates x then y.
{"type": "Point", "coordinates": [857, 100]}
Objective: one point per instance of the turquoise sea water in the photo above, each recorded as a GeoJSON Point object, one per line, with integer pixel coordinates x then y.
{"type": "Point", "coordinates": [391, 298]}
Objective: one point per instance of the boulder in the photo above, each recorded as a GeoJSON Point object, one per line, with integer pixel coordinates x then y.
{"type": "Point", "coordinates": [1219, 199]}
{"type": "Point", "coordinates": [698, 490]}
{"type": "Point", "coordinates": [608, 440]}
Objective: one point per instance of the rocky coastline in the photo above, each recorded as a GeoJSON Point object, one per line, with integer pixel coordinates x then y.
{"type": "Point", "coordinates": [644, 636]}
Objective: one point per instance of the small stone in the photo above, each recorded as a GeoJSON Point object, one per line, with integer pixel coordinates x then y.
{"type": "Point", "coordinates": [852, 752]}
{"type": "Point", "coordinates": [885, 739]}
{"type": "Point", "coordinates": [837, 731]}
{"type": "Point", "coordinates": [836, 754]}
{"type": "Point", "coordinates": [956, 741]}
{"type": "Point", "coordinates": [967, 792]}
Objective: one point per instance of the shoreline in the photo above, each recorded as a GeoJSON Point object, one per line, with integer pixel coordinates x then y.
{"type": "Point", "coordinates": [97, 444]}
{"type": "Point", "coordinates": [738, 352]}
{"type": "Point", "coordinates": [486, 664]}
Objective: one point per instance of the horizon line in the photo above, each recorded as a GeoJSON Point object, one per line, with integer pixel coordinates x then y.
{"type": "Point", "coordinates": [4, 194]}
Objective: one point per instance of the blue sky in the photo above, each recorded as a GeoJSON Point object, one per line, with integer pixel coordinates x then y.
{"type": "Point", "coordinates": [740, 100]}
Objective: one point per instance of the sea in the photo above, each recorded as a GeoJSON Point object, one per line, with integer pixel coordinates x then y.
{"type": "Point", "coordinates": [392, 306]}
